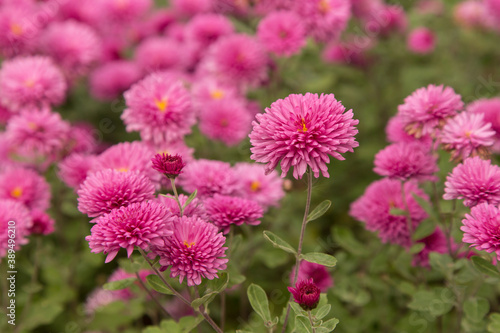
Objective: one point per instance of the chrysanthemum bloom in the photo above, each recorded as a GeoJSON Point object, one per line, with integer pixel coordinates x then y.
{"type": "Point", "coordinates": [473, 14]}
{"type": "Point", "coordinates": [192, 7]}
{"type": "Point", "coordinates": [205, 29]}
{"type": "Point", "coordinates": [467, 135]}
{"type": "Point", "coordinates": [482, 228]}
{"type": "Point", "coordinates": [363, 9]}
{"type": "Point", "coordinates": [208, 178]}
{"type": "Point", "coordinates": [239, 59]}
{"type": "Point", "coordinates": [208, 89]}
{"type": "Point", "coordinates": [74, 46]}
{"type": "Point", "coordinates": [98, 299]}
{"type": "Point", "coordinates": [226, 120]}
{"type": "Point", "coordinates": [159, 53]}
{"type": "Point", "coordinates": [11, 210]}
{"type": "Point", "coordinates": [175, 148]}
{"type": "Point", "coordinates": [435, 242]}
{"type": "Point", "coordinates": [493, 7]}
{"type": "Point", "coordinates": [224, 211]}
{"type": "Point", "coordinates": [325, 19]}
{"type": "Point", "coordinates": [43, 224]}
{"type": "Point", "coordinates": [405, 161]}
{"type": "Point", "coordinates": [74, 169]}
{"type": "Point", "coordinates": [255, 185]}
{"type": "Point", "coordinates": [113, 78]}
{"type": "Point", "coordinates": [306, 294]}
{"type": "Point", "coordinates": [352, 52]}
{"type": "Point", "coordinates": [105, 190]}
{"type": "Point", "coordinates": [37, 136]}
{"type": "Point", "coordinates": [140, 224]}
{"type": "Point", "coordinates": [373, 208]}
{"type": "Point", "coordinates": [301, 131]}
{"type": "Point", "coordinates": [169, 165]}
{"type": "Point", "coordinates": [194, 208]}
{"type": "Point", "coordinates": [159, 108]}
{"type": "Point", "coordinates": [31, 82]}
{"type": "Point", "coordinates": [18, 31]}
{"type": "Point", "coordinates": [125, 11]}
{"type": "Point", "coordinates": [385, 20]}
{"type": "Point", "coordinates": [427, 109]}
{"type": "Point", "coordinates": [282, 32]}
{"type": "Point", "coordinates": [319, 274]}
{"type": "Point", "coordinates": [421, 40]}
{"type": "Point", "coordinates": [395, 132]}
{"type": "Point", "coordinates": [82, 139]}
{"type": "Point", "coordinates": [475, 180]}
{"type": "Point", "coordinates": [25, 186]}
{"type": "Point", "coordinates": [194, 251]}
{"type": "Point", "coordinates": [263, 8]}
{"type": "Point", "coordinates": [490, 108]}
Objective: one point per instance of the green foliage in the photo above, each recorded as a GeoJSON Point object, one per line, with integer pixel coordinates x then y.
{"type": "Point", "coordinates": [319, 211]}
{"type": "Point", "coordinates": [157, 284]}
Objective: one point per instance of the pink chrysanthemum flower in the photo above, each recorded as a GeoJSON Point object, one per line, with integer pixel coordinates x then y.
{"type": "Point", "coordinates": [175, 148]}
{"type": "Point", "coordinates": [282, 32]}
{"type": "Point", "coordinates": [435, 242]}
{"type": "Point", "coordinates": [421, 40]}
{"type": "Point", "coordinates": [82, 139]}
{"type": "Point", "coordinates": [395, 132]}
{"type": "Point", "coordinates": [208, 90]}
{"type": "Point", "coordinates": [159, 53]}
{"type": "Point", "coordinates": [467, 135]}
{"type": "Point", "coordinates": [159, 108]}
{"type": "Point", "coordinates": [301, 131]}
{"type": "Point", "coordinates": [351, 52]}
{"type": "Point", "coordinates": [319, 274]}
{"type": "Point", "coordinates": [385, 20]}
{"type": "Point", "coordinates": [43, 224]}
{"type": "Point", "coordinates": [205, 29]}
{"type": "Point", "coordinates": [482, 228]}
{"type": "Point", "coordinates": [238, 59]}
{"type": "Point", "coordinates": [427, 109]}
{"type": "Point", "coordinates": [208, 178]}
{"type": "Point", "coordinates": [373, 208]}
{"type": "Point", "coordinates": [325, 19]}
{"type": "Point", "coordinates": [473, 14]}
{"type": "Point", "coordinates": [224, 211]}
{"type": "Point", "coordinates": [490, 108]}
{"type": "Point", "coordinates": [98, 299]}
{"type": "Point", "coordinates": [475, 180]}
{"type": "Point", "coordinates": [169, 165]}
{"type": "Point", "coordinates": [74, 46]}
{"type": "Point", "coordinates": [194, 251]}
{"type": "Point", "coordinates": [25, 186]}
{"type": "Point", "coordinates": [192, 7]}
{"type": "Point", "coordinates": [141, 224]}
{"type": "Point", "coordinates": [265, 7]}
{"type": "Point", "coordinates": [18, 30]}
{"type": "Point", "coordinates": [5, 115]}
{"type": "Point", "coordinates": [306, 293]}
{"type": "Point", "coordinates": [11, 210]}
{"type": "Point", "coordinates": [194, 208]}
{"type": "Point", "coordinates": [74, 169]}
{"type": "Point", "coordinates": [37, 137]}
{"type": "Point", "coordinates": [405, 161]}
{"type": "Point", "coordinates": [493, 8]}
{"type": "Point", "coordinates": [110, 80]}
{"type": "Point", "coordinates": [105, 190]}
{"type": "Point", "coordinates": [267, 190]}
{"type": "Point", "coordinates": [125, 11]}
{"type": "Point", "coordinates": [31, 82]}
{"type": "Point", "coordinates": [226, 120]}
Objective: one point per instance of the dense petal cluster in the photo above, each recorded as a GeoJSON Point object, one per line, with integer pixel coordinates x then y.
{"type": "Point", "coordinates": [306, 293]}
{"type": "Point", "coordinates": [490, 108]}
{"type": "Point", "coordinates": [319, 274]}
{"type": "Point", "coordinates": [224, 211]}
{"type": "Point", "coordinates": [113, 78]}
{"type": "Point", "coordinates": [74, 169]}
{"type": "Point", "coordinates": [421, 40]}
{"type": "Point", "coordinates": [301, 131]}
{"type": "Point", "coordinates": [482, 228]}
{"type": "Point", "coordinates": [26, 187]}
{"type": "Point", "coordinates": [169, 165]}
{"type": "Point", "coordinates": [194, 251]}
{"type": "Point", "coordinates": [282, 33]}
{"type": "Point", "coordinates": [11, 210]}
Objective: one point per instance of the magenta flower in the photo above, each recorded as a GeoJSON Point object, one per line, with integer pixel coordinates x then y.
{"type": "Point", "coordinates": [282, 32]}
{"type": "Point", "coordinates": [475, 180]}
{"type": "Point", "coordinates": [435, 242]}
{"type": "Point", "coordinates": [373, 209]}
{"type": "Point", "coordinates": [26, 187]}
{"type": "Point", "coordinates": [490, 108]}
{"type": "Point", "coordinates": [395, 133]}
{"type": "Point", "coordinates": [482, 228]}
{"type": "Point", "coordinates": [159, 53]}
{"type": "Point", "coordinates": [319, 274]}
{"type": "Point", "coordinates": [125, 11]}
{"type": "Point", "coordinates": [194, 251]}
{"type": "Point", "coordinates": [421, 40]}
{"type": "Point", "coordinates": [169, 165]}
{"type": "Point", "coordinates": [301, 131]}
{"type": "Point", "coordinates": [18, 33]}
{"type": "Point", "coordinates": [204, 29]}
{"type": "Point", "coordinates": [74, 169]}
{"type": "Point", "coordinates": [111, 79]}
{"type": "Point", "coordinates": [405, 161]}
{"type": "Point", "coordinates": [82, 139]}
{"type": "Point", "coordinates": [43, 224]}
{"type": "Point", "coordinates": [224, 211]}
{"type": "Point", "coordinates": [106, 190]}
{"type": "Point", "coordinates": [306, 294]}
{"type": "Point", "coordinates": [11, 210]}
{"type": "Point", "coordinates": [191, 7]}
{"type": "Point", "coordinates": [208, 90]}
{"type": "Point", "coordinates": [141, 224]}
{"type": "Point", "coordinates": [473, 14]}
{"type": "Point", "coordinates": [427, 109]}
{"type": "Point", "coordinates": [159, 107]}
{"type": "Point", "coordinates": [467, 135]}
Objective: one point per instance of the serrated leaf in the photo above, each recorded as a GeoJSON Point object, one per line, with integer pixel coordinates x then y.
{"type": "Point", "coordinates": [321, 209]}
{"type": "Point", "coordinates": [120, 284]}
{"type": "Point", "coordinates": [191, 198]}
{"type": "Point", "coordinates": [258, 300]}
{"type": "Point", "coordinates": [424, 229]}
{"type": "Point", "coordinates": [320, 258]}
{"type": "Point", "coordinates": [321, 312]}
{"type": "Point", "coordinates": [302, 325]}
{"type": "Point", "coordinates": [398, 212]}
{"type": "Point", "coordinates": [278, 242]}
{"type": "Point", "coordinates": [476, 309]}
{"type": "Point", "coordinates": [330, 324]}
{"type": "Point", "coordinates": [157, 284]}
{"type": "Point", "coordinates": [484, 266]}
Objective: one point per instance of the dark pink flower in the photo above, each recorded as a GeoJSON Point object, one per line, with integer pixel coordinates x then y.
{"type": "Point", "coordinates": [319, 274]}
{"type": "Point", "coordinates": [301, 131]}
{"type": "Point", "coordinates": [11, 210]}
{"type": "Point", "coordinates": [74, 169]}
{"type": "Point", "coordinates": [43, 224]}
{"type": "Point", "coordinates": [282, 32]}
{"type": "Point", "coordinates": [205, 29]}
{"type": "Point", "coordinates": [141, 224]}
{"type": "Point", "coordinates": [306, 294]}
{"type": "Point", "coordinates": [421, 40]}
{"type": "Point", "coordinates": [159, 53]}
{"type": "Point", "coordinates": [475, 180]}
{"type": "Point", "coordinates": [111, 79]}
{"type": "Point", "coordinates": [18, 31]}
{"type": "Point", "coordinates": [26, 187]}
{"type": "Point", "coordinates": [169, 165]}
{"type": "Point", "coordinates": [435, 242]}
{"type": "Point", "coordinates": [490, 108]}
{"type": "Point", "coordinates": [395, 131]}
{"type": "Point", "coordinates": [224, 211]}
{"type": "Point", "coordinates": [482, 228]}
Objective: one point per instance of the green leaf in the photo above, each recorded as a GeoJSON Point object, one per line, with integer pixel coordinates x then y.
{"type": "Point", "coordinates": [320, 258]}
{"type": "Point", "coordinates": [321, 312]}
{"type": "Point", "coordinates": [297, 309]}
{"type": "Point", "coordinates": [476, 309]}
{"type": "Point", "coordinates": [185, 325]}
{"type": "Point", "coordinates": [319, 210]}
{"type": "Point", "coordinates": [424, 229]}
{"type": "Point", "coordinates": [278, 242]}
{"type": "Point", "coordinates": [120, 284]}
{"type": "Point", "coordinates": [494, 323]}
{"type": "Point", "coordinates": [302, 325]}
{"type": "Point", "coordinates": [330, 324]}
{"type": "Point", "coordinates": [398, 212]}
{"type": "Point", "coordinates": [157, 284]}
{"type": "Point", "coordinates": [207, 298]}
{"type": "Point", "coordinates": [41, 313]}
{"type": "Point", "coordinates": [258, 299]}
{"type": "Point", "coordinates": [436, 302]}
{"type": "Point", "coordinates": [191, 198]}
{"type": "Point", "coordinates": [345, 238]}
{"type": "Point", "coordinates": [484, 266]}
{"type": "Point", "coordinates": [219, 284]}
{"type": "Point", "coordinates": [417, 248]}
{"type": "Point", "coordinates": [441, 262]}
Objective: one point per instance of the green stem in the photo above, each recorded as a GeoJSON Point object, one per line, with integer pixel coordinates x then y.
{"type": "Point", "coordinates": [408, 216]}
{"type": "Point", "coordinates": [172, 182]}
{"type": "Point", "coordinates": [201, 309]}
{"type": "Point", "coordinates": [301, 240]}
{"type": "Point", "coordinates": [311, 321]}
{"type": "Point", "coordinates": [223, 293]}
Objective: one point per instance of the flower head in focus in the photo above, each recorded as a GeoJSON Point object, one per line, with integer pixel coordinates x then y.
{"type": "Point", "coordinates": [306, 293]}
{"type": "Point", "coordinates": [169, 165]}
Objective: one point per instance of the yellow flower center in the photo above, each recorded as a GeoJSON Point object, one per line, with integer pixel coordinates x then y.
{"type": "Point", "coordinates": [255, 186]}
{"type": "Point", "coordinates": [468, 134]}
{"type": "Point", "coordinates": [217, 94]}
{"type": "Point", "coordinates": [30, 83]}
{"type": "Point", "coordinates": [16, 192]}
{"type": "Point", "coordinates": [304, 128]}
{"type": "Point", "coordinates": [188, 245]}
{"type": "Point", "coordinates": [162, 104]}
{"type": "Point", "coordinates": [122, 169]}
{"type": "Point", "coordinates": [324, 6]}
{"type": "Point", "coordinates": [16, 29]}
{"type": "Point", "coordinates": [32, 126]}
{"type": "Point", "coordinates": [122, 4]}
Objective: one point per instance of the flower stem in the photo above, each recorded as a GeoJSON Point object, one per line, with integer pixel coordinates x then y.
{"type": "Point", "coordinates": [223, 293]}
{"type": "Point", "coordinates": [408, 216]}
{"type": "Point", "coordinates": [172, 182]}
{"type": "Point", "coordinates": [301, 240]}
{"type": "Point", "coordinates": [201, 310]}
{"type": "Point", "coordinates": [311, 321]}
